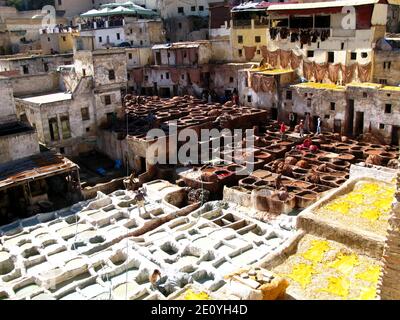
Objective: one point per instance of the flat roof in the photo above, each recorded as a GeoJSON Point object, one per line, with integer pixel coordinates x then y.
{"type": "Point", "coordinates": [275, 71]}
{"type": "Point", "coordinates": [48, 98]}
{"type": "Point", "coordinates": [176, 45]}
{"type": "Point", "coordinates": [317, 85]}
{"type": "Point", "coordinates": [33, 56]}
{"type": "Point", "coordinates": [268, 72]}
{"type": "Point", "coordinates": [368, 85]}
{"type": "Point", "coordinates": [37, 166]}
{"type": "Point", "coordinates": [319, 5]}
{"type": "Point", "coordinates": [390, 88]}
{"type": "Point", "coordinates": [11, 128]}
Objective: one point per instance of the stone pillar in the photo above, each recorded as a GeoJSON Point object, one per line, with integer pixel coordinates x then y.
{"type": "Point", "coordinates": [389, 282]}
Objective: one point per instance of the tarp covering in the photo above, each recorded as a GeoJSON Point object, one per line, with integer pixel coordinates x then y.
{"type": "Point", "coordinates": [113, 9]}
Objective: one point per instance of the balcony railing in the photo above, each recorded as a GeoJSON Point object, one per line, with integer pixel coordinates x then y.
{"type": "Point", "coordinates": [242, 23]}
{"type": "Point", "coordinates": [102, 24]}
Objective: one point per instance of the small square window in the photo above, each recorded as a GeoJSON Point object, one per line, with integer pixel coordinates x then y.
{"type": "Point", "coordinates": [179, 25]}
{"type": "Point", "coordinates": [353, 56]}
{"type": "Point", "coordinates": [240, 39]}
{"type": "Point", "coordinates": [248, 98]}
{"type": "Point", "coordinates": [201, 8]}
{"type": "Point", "coordinates": [62, 150]}
{"type": "Point", "coordinates": [130, 56]}
{"type": "Point", "coordinates": [183, 77]}
{"type": "Point", "coordinates": [180, 9]}
{"type": "Point", "coordinates": [381, 126]}
{"type": "Point", "coordinates": [388, 108]}
{"type": "Point", "coordinates": [240, 52]}
{"type": "Point", "coordinates": [193, 8]}
{"type": "Point", "coordinates": [288, 95]}
{"type": "Point", "coordinates": [382, 81]}
{"type": "Point", "coordinates": [310, 53]}
{"type": "Point", "coordinates": [146, 78]}
{"type": "Point", "coordinates": [365, 95]}
{"type": "Point", "coordinates": [333, 106]}
{"type": "Point", "coordinates": [107, 100]}
{"type": "Point", "coordinates": [111, 75]}
{"type": "Point", "coordinates": [327, 116]}
{"type": "Point", "coordinates": [100, 39]}
{"type": "Point", "coordinates": [258, 52]}
{"type": "Point", "coordinates": [364, 55]}
{"type": "Point", "coordinates": [85, 114]}
{"type": "Point", "coordinates": [88, 129]}
{"type": "Point", "coordinates": [230, 79]}
{"type": "Point", "coordinates": [257, 39]}
{"type": "Point", "coordinates": [387, 65]}
{"type": "Point", "coordinates": [118, 36]}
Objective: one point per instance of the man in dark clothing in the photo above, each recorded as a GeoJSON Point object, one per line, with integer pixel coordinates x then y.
{"type": "Point", "coordinates": [140, 202]}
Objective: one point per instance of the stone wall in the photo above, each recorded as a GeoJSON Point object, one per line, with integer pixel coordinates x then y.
{"type": "Point", "coordinates": [389, 284]}
{"type": "Point", "coordinates": [35, 84]}
{"type": "Point", "coordinates": [7, 106]}
{"type": "Point", "coordinates": [18, 146]}
{"type": "Point", "coordinates": [382, 70]}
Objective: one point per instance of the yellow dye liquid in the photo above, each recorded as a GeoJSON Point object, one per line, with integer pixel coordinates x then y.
{"type": "Point", "coordinates": [190, 295]}
{"type": "Point", "coordinates": [302, 273]}
{"type": "Point", "coordinates": [370, 275]}
{"type": "Point", "coordinates": [344, 263]}
{"type": "Point", "coordinates": [317, 250]}
{"type": "Point", "coordinates": [368, 293]}
{"type": "Point", "coordinates": [338, 286]}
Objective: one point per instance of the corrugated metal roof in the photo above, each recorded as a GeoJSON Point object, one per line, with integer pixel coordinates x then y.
{"type": "Point", "coordinates": [33, 167]}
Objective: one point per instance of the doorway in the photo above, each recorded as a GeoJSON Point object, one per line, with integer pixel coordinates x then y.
{"type": "Point", "coordinates": [395, 140]}
{"type": "Point", "coordinates": [274, 113]}
{"type": "Point", "coordinates": [158, 58]}
{"type": "Point", "coordinates": [350, 117]}
{"type": "Point", "coordinates": [165, 92]}
{"type": "Point", "coordinates": [337, 126]}
{"type": "Point", "coordinates": [359, 127]}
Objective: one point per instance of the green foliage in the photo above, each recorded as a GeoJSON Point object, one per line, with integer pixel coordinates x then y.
{"type": "Point", "coordinates": [22, 5]}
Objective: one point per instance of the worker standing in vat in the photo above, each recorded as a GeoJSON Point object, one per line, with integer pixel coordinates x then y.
{"type": "Point", "coordinates": [292, 121]}
{"type": "Point", "coordinates": [319, 125]}
{"type": "Point", "coordinates": [278, 182]}
{"type": "Point", "coordinates": [140, 202]}
{"type": "Point", "coordinates": [306, 124]}
{"type": "Point", "coordinates": [154, 277]}
{"type": "Point", "coordinates": [301, 128]}
{"type": "Point", "coordinates": [282, 130]}
{"type": "Point", "coordinates": [235, 97]}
